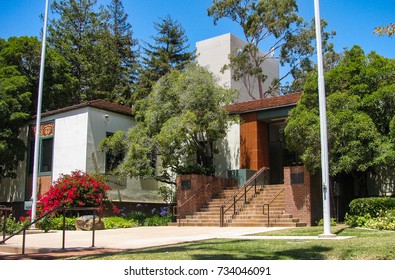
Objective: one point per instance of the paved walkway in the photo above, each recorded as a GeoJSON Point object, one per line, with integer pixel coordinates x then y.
{"type": "Point", "coordinates": [112, 240]}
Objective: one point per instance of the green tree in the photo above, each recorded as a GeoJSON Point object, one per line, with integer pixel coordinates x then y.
{"type": "Point", "coordinates": [178, 126]}
{"type": "Point", "coordinates": [360, 112]}
{"type": "Point", "coordinates": [15, 100]}
{"type": "Point", "coordinates": [274, 23]}
{"type": "Point", "coordinates": [388, 30]}
{"type": "Point", "coordinates": [24, 53]}
{"type": "Point", "coordinates": [121, 62]}
{"type": "Point", "coordinates": [77, 34]}
{"type": "Point", "coordinates": [168, 51]}
{"type": "Point", "coordinates": [19, 74]}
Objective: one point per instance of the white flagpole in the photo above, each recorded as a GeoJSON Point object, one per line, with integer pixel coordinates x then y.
{"type": "Point", "coordinates": [38, 117]}
{"type": "Point", "coordinates": [323, 125]}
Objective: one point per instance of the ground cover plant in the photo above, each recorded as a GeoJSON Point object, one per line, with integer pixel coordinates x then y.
{"type": "Point", "coordinates": [365, 245]}
{"type": "Point", "coordinates": [80, 189]}
{"type": "Point", "coordinates": [372, 212]}
{"type": "Point", "coordinates": [139, 217]}
{"type": "Point", "coordinates": [11, 225]}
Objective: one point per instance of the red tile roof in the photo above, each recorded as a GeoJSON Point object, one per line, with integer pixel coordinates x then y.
{"type": "Point", "coordinates": [264, 104]}
{"type": "Point", "coordinates": [100, 104]}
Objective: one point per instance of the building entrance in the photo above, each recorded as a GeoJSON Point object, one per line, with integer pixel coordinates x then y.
{"type": "Point", "coordinates": [276, 162]}
{"type": "Point", "coordinates": [279, 156]}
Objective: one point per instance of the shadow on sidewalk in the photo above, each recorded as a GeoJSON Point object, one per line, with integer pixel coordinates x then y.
{"type": "Point", "coordinates": [61, 254]}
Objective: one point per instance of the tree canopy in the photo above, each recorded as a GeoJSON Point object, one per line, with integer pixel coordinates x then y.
{"type": "Point", "coordinates": [19, 74]}
{"type": "Point", "coordinates": [122, 50]}
{"type": "Point", "coordinates": [99, 47]}
{"type": "Point", "coordinates": [268, 26]}
{"type": "Point", "coordinates": [168, 51]}
{"type": "Point", "coordinates": [360, 115]}
{"type": "Point", "coordinates": [388, 30]}
{"type": "Point", "coordinates": [178, 126]}
{"type": "Point", "coordinates": [15, 100]}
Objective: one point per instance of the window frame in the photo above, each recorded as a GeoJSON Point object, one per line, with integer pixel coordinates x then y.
{"type": "Point", "coordinates": [40, 156]}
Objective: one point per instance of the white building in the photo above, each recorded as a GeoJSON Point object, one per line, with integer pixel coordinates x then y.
{"type": "Point", "coordinates": [69, 140]}
{"type": "Point", "coordinates": [214, 53]}
{"type": "Point", "coordinates": [70, 137]}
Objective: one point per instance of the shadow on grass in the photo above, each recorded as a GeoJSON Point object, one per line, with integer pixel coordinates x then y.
{"type": "Point", "coordinates": [340, 230]}
{"type": "Point", "coordinates": [225, 250]}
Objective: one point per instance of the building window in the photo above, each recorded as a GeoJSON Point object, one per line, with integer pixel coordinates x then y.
{"type": "Point", "coordinates": [45, 155]}
{"type": "Point", "coordinates": [45, 152]}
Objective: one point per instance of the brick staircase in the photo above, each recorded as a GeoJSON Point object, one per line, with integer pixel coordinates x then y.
{"type": "Point", "coordinates": [250, 214]}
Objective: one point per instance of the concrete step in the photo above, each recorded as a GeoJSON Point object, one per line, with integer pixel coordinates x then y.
{"type": "Point", "coordinates": [198, 224]}
{"type": "Point", "coordinates": [272, 216]}
{"type": "Point", "coordinates": [249, 210]}
{"type": "Point", "coordinates": [264, 224]}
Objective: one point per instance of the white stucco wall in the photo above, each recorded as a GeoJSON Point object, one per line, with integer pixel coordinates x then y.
{"type": "Point", "coordinates": [126, 189]}
{"type": "Point", "coordinates": [70, 142]}
{"type": "Point", "coordinates": [99, 123]}
{"type": "Point", "coordinates": [13, 190]}
{"type": "Point", "coordinates": [123, 188]}
{"type": "Point", "coordinates": [228, 157]}
{"type": "Point", "coordinates": [213, 53]}
{"type": "Point", "coordinates": [77, 135]}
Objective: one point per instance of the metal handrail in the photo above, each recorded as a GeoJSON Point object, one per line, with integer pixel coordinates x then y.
{"type": "Point", "coordinates": [176, 208]}
{"type": "Point", "coordinates": [64, 210]}
{"type": "Point", "coordinates": [268, 208]}
{"type": "Point", "coordinates": [244, 190]}
{"type": "Point", "coordinates": [5, 210]}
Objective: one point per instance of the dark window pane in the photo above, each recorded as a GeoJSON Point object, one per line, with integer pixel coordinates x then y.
{"type": "Point", "coordinates": [31, 156]}
{"type": "Point", "coordinates": [46, 155]}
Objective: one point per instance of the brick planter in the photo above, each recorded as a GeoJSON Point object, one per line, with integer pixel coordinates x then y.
{"type": "Point", "coordinates": [298, 193]}
{"type": "Point", "coordinates": [199, 189]}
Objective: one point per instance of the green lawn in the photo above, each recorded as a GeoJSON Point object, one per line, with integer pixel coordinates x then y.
{"type": "Point", "coordinates": [366, 245]}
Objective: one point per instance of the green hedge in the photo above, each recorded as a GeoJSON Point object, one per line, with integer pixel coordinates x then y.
{"type": "Point", "coordinates": [372, 206]}
{"type": "Point", "coordinates": [372, 212]}
{"type": "Point", "coordinates": [56, 223]}
{"type": "Point", "coordinates": [118, 222]}
{"type": "Point", "coordinates": [11, 225]}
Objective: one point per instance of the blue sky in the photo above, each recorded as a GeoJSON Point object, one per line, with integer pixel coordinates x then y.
{"type": "Point", "coordinates": [353, 20]}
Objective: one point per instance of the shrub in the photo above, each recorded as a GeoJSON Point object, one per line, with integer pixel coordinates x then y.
{"type": "Point", "coordinates": [12, 225]}
{"type": "Point", "coordinates": [118, 222]}
{"type": "Point", "coordinates": [56, 223]}
{"type": "Point", "coordinates": [76, 190]}
{"type": "Point", "coordinates": [357, 221]}
{"type": "Point", "coordinates": [371, 205]}
{"type": "Point", "coordinates": [154, 217]}
{"type": "Point", "coordinates": [158, 220]}
{"type": "Point", "coordinates": [372, 212]}
{"type": "Point", "coordinates": [386, 221]}
{"type": "Point", "coordinates": [137, 216]}
{"type": "Point", "coordinates": [332, 223]}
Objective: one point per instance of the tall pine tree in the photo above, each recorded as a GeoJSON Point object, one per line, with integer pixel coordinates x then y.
{"type": "Point", "coordinates": [168, 51]}
{"type": "Point", "coordinates": [77, 35]}
{"type": "Point", "coordinates": [122, 60]}
{"type": "Point", "coordinates": [15, 100]}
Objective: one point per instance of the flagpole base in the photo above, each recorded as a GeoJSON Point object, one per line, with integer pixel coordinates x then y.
{"type": "Point", "coordinates": [327, 236]}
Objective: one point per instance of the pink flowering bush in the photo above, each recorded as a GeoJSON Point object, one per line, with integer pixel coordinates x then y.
{"type": "Point", "coordinates": [79, 189]}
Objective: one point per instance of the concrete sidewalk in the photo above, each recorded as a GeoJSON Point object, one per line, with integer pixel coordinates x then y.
{"type": "Point", "coordinates": [125, 239]}
{"type": "Point", "coordinates": [131, 238]}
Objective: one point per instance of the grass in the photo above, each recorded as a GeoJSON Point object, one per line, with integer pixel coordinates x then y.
{"type": "Point", "coordinates": [340, 230]}
{"type": "Point", "coordinates": [366, 245]}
